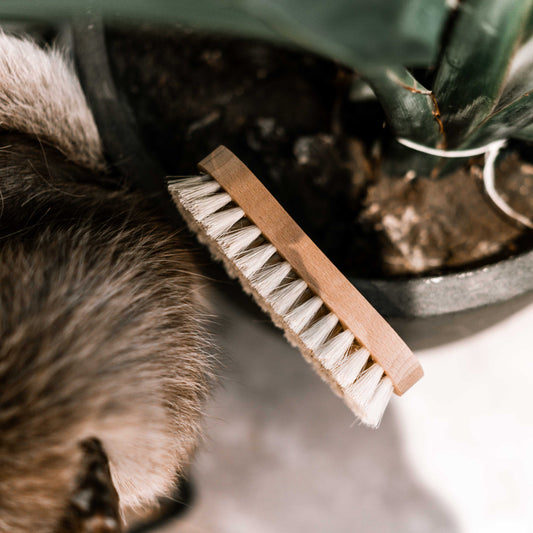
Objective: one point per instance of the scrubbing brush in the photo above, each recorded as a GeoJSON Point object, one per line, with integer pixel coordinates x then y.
{"type": "Point", "coordinates": [345, 339]}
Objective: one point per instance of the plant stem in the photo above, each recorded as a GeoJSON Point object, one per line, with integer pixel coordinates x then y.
{"type": "Point", "coordinates": [412, 113]}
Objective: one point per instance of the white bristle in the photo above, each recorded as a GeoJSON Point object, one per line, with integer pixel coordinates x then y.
{"type": "Point", "coordinates": [252, 260]}
{"type": "Point", "coordinates": [269, 279]}
{"type": "Point", "coordinates": [349, 369]}
{"type": "Point", "coordinates": [298, 318]}
{"type": "Point", "coordinates": [319, 332]}
{"type": "Point", "coordinates": [199, 190]}
{"type": "Point", "coordinates": [203, 207]}
{"type": "Point", "coordinates": [219, 223]}
{"type": "Point", "coordinates": [372, 412]}
{"type": "Point", "coordinates": [333, 351]}
{"type": "Point", "coordinates": [283, 299]}
{"type": "Point", "coordinates": [238, 240]}
{"type": "Point", "coordinates": [362, 391]}
{"type": "Point", "coordinates": [177, 184]}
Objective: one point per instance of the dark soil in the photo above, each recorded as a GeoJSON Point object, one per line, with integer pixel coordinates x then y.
{"type": "Point", "coordinates": [289, 116]}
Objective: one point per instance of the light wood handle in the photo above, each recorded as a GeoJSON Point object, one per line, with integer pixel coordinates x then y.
{"type": "Point", "coordinates": [338, 294]}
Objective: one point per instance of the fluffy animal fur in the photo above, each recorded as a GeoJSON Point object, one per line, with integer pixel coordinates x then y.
{"type": "Point", "coordinates": [102, 334]}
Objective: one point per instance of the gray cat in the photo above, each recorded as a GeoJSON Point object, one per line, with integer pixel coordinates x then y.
{"type": "Point", "coordinates": [104, 358]}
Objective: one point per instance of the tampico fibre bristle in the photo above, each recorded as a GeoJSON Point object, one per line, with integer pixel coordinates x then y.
{"type": "Point", "coordinates": [336, 329]}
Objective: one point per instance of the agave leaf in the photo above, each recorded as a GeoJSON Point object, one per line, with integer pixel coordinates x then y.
{"type": "Point", "coordinates": [472, 72]}
{"type": "Point", "coordinates": [354, 32]}
{"type": "Point", "coordinates": [408, 105]}
{"type": "Point", "coordinates": [525, 134]}
{"type": "Point", "coordinates": [411, 113]}
{"type": "Point", "coordinates": [512, 116]}
{"type": "Point", "coordinates": [528, 30]}
{"type": "Point", "coordinates": [520, 77]}
{"type": "Point", "coordinates": [510, 121]}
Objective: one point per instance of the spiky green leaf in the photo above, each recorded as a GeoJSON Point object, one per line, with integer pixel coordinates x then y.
{"type": "Point", "coordinates": [354, 32]}
{"type": "Point", "coordinates": [472, 72]}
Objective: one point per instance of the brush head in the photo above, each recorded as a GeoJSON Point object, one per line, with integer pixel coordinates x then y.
{"type": "Point", "coordinates": [348, 343]}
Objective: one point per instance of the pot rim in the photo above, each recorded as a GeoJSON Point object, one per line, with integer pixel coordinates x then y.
{"type": "Point", "coordinates": [426, 296]}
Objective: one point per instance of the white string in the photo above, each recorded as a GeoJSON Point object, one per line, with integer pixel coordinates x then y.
{"type": "Point", "coordinates": [452, 153]}
{"type": "Point", "coordinates": [490, 189]}
{"type": "Point", "coordinates": [490, 151]}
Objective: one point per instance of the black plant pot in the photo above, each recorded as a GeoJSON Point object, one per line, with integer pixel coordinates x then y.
{"type": "Point", "coordinates": [426, 311]}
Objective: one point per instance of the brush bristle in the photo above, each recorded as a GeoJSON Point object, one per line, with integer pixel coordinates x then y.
{"type": "Point", "coordinates": [197, 187]}
{"type": "Point", "coordinates": [300, 316]}
{"type": "Point", "coordinates": [270, 278]}
{"type": "Point", "coordinates": [219, 223]}
{"type": "Point", "coordinates": [365, 387]}
{"type": "Point", "coordinates": [333, 351]}
{"type": "Point", "coordinates": [350, 367]}
{"type": "Point", "coordinates": [251, 260]}
{"type": "Point", "coordinates": [373, 410]}
{"type": "Point", "coordinates": [285, 297]}
{"type": "Point", "coordinates": [315, 336]}
{"type": "Point", "coordinates": [202, 207]}
{"type": "Point", "coordinates": [237, 240]}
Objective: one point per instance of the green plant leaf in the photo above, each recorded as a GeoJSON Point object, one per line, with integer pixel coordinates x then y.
{"type": "Point", "coordinates": [411, 113]}
{"type": "Point", "coordinates": [528, 30]}
{"type": "Point", "coordinates": [475, 61]}
{"type": "Point", "coordinates": [408, 105]}
{"type": "Point", "coordinates": [513, 114]}
{"type": "Point", "coordinates": [520, 77]}
{"type": "Point", "coordinates": [509, 122]}
{"type": "Point", "coordinates": [525, 134]}
{"type": "Point", "coordinates": [354, 32]}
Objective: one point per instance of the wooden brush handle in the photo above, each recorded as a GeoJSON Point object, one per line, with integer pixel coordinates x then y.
{"type": "Point", "coordinates": [338, 294]}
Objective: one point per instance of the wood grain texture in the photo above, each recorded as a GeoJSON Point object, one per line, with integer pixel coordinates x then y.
{"type": "Point", "coordinates": [338, 294]}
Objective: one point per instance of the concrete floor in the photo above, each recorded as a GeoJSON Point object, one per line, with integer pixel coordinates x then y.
{"type": "Point", "coordinates": [283, 454]}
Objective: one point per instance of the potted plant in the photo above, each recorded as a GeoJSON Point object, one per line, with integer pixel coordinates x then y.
{"type": "Point", "coordinates": [451, 82]}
